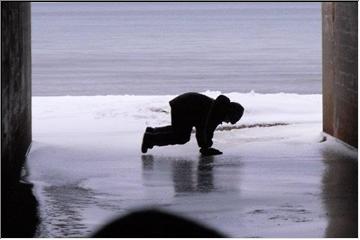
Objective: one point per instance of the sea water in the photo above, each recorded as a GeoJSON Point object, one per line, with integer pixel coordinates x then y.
{"type": "Point", "coordinates": [170, 48]}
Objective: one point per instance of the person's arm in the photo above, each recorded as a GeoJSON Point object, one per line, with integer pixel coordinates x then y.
{"type": "Point", "coordinates": [213, 119]}
{"type": "Point", "coordinates": [205, 132]}
{"type": "Point", "coordinates": [204, 139]}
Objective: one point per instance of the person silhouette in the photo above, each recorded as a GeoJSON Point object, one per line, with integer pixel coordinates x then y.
{"type": "Point", "coordinates": [190, 110]}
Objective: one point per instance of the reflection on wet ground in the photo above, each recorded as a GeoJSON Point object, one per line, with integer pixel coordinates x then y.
{"type": "Point", "coordinates": [190, 175]}
{"type": "Point", "coordinates": [205, 181]}
{"type": "Point", "coordinates": [277, 189]}
{"type": "Point", "coordinates": [187, 175]}
{"type": "Point", "coordinates": [65, 213]}
{"type": "Point", "coordinates": [337, 171]}
{"type": "Point", "coordinates": [340, 193]}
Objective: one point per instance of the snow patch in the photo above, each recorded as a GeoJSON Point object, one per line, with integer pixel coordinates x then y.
{"type": "Point", "coordinates": [131, 113]}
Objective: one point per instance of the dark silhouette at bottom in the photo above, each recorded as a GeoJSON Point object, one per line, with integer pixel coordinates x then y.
{"type": "Point", "coordinates": [19, 211]}
{"type": "Point", "coordinates": [155, 224]}
{"type": "Point", "coordinates": [190, 110]}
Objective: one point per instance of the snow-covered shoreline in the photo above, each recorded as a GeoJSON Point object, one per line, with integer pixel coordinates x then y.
{"type": "Point", "coordinates": [131, 112]}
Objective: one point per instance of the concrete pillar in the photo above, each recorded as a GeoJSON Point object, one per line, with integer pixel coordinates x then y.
{"type": "Point", "coordinates": [340, 70]}
{"type": "Point", "coordinates": [15, 87]}
{"type": "Point", "coordinates": [19, 213]}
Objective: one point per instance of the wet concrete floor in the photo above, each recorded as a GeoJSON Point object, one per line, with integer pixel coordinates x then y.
{"type": "Point", "coordinates": [288, 184]}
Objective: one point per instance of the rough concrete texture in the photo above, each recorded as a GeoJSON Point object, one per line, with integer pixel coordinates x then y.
{"type": "Point", "coordinates": [340, 70]}
{"type": "Point", "coordinates": [18, 203]}
{"type": "Point", "coordinates": [15, 87]}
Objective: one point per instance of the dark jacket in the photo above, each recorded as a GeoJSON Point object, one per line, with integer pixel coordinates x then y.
{"type": "Point", "coordinates": [200, 111]}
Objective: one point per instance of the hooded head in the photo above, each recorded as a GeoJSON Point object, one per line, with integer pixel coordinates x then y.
{"type": "Point", "coordinates": [234, 112]}
{"type": "Point", "coordinates": [228, 111]}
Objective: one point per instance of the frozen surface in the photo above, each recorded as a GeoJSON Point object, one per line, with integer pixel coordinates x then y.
{"type": "Point", "coordinates": [273, 180]}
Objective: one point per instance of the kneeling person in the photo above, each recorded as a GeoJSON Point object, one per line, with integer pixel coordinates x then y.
{"type": "Point", "coordinates": [190, 110]}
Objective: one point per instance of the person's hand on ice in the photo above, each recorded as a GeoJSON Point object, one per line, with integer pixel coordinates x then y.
{"type": "Point", "coordinates": [209, 151]}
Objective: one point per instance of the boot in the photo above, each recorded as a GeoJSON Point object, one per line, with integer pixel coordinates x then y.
{"type": "Point", "coordinates": [146, 143]}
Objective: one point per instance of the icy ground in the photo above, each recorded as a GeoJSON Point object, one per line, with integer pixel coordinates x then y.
{"type": "Point", "coordinates": [273, 180]}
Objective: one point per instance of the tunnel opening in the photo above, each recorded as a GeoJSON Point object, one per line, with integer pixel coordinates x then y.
{"type": "Point", "coordinates": [148, 54]}
{"type": "Point", "coordinates": [339, 95]}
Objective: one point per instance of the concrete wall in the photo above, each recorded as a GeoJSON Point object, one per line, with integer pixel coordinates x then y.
{"type": "Point", "coordinates": [15, 88]}
{"type": "Point", "coordinates": [340, 70]}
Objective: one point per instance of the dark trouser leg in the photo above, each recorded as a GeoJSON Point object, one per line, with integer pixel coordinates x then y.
{"type": "Point", "coordinates": [163, 136]}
